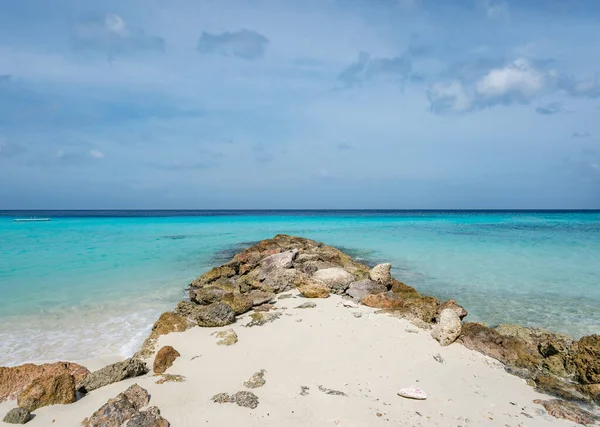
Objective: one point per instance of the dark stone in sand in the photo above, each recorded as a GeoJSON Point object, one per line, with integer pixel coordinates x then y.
{"type": "Point", "coordinates": [113, 373]}
{"type": "Point", "coordinates": [17, 416]}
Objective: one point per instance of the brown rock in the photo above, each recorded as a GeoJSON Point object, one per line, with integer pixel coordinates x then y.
{"type": "Point", "coordinates": [16, 379]}
{"type": "Point", "coordinates": [385, 300]}
{"type": "Point", "coordinates": [120, 409]}
{"type": "Point", "coordinates": [239, 303]}
{"type": "Point", "coordinates": [507, 349]}
{"type": "Point", "coordinates": [568, 411]}
{"type": "Point", "coordinates": [48, 390]}
{"type": "Point", "coordinates": [207, 295]}
{"type": "Point", "coordinates": [164, 359]}
{"type": "Point", "coordinates": [586, 359]}
{"type": "Point", "coordinates": [403, 290]}
{"type": "Point", "coordinates": [224, 271]}
{"type": "Point", "coordinates": [260, 297]}
{"type": "Point", "coordinates": [461, 312]}
{"type": "Point", "coordinates": [311, 288]}
{"type": "Point", "coordinates": [167, 322]}
{"type": "Point", "coordinates": [593, 391]}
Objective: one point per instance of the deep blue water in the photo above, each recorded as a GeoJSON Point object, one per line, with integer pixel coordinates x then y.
{"type": "Point", "coordinates": [89, 283]}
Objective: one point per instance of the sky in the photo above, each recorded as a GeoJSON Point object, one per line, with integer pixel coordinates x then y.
{"type": "Point", "coordinates": [269, 104]}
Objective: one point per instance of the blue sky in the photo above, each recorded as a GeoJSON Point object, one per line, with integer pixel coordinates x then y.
{"type": "Point", "coordinates": [300, 104]}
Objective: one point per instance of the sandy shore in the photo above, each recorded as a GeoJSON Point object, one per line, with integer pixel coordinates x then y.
{"type": "Point", "coordinates": [369, 358]}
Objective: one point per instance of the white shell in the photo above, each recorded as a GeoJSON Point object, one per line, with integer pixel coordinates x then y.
{"type": "Point", "coordinates": [412, 393]}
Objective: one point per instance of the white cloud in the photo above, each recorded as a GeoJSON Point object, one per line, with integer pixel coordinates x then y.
{"type": "Point", "coordinates": [96, 154]}
{"type": "Point", "coordinates": [518, 78]}
{"type": "Point", "coordinates": [449, 97]}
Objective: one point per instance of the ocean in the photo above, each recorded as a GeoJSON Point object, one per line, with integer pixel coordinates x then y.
{"type": "Point", "coordinates": [91, 283]}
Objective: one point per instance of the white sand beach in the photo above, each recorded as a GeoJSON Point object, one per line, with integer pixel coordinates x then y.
{"type": "Point", "coordinates": [367, 356]}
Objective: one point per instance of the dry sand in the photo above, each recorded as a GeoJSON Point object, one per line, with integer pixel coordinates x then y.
{"type": "Point", "coordinates": [369, 358]}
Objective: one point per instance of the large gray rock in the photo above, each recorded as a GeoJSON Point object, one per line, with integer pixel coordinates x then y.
{"type": "Point", "coordinates": [280, 280]}
{"type": "Point", "coordinates": [448, 328]}
{"type": "Point", "coordinates": [280, 260]}
{"type": "Point", "coordinates": [359, 290]}
{"type": "Point", "coordinates": [119, 410]}
{"type": "Point", "coordinates": [215, 315]}
{"type": "Point", "coordinates": [336, 278]}
{"type": "Point", "coordinates": [381, 273]}
{"type": "Point", "coordinates": [113, 373]}
{"type": "Point", "coordinates": [260, 297]}
{"type": "Point", "coordinates": [17, 416]}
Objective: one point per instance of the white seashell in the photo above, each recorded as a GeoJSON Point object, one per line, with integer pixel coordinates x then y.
{"type": "Point", "coordinates": [412, 393]}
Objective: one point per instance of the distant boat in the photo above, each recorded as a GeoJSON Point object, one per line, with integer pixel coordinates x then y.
{"type": "Point", "coordinates": [34, 219]}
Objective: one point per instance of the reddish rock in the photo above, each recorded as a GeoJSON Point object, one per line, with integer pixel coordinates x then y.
{"type": "Point", "coordinates": [48, 390]}
{"type": "Point", "coordinates": [164, 359]}
{"type": "Point", "coordinates": [385, 300]}
{"type": "Point", "coordinates": [120, 409]}
{"type": "Point", "coordinates": [16, 379]}
{"type": "Point", "coordinates": [311, 288]}
{"type": "Point", "coordinates": [568, 411]}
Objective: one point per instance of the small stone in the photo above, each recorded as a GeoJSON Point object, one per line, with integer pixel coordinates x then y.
{"type": "Point", "coordinates": [304, 390]}
{"type": "Point", "coordinates": [223, 398]}
{"type": "Point", "coordinates": [285, 296]}
{"type": "Point", "coordinates": [331, 391]}
{"type": "Point", "coordinates": [228, 337]}
{"type": "Point", "coordinates": [17, 416]}
{"type": "Point", "coordinates": [357, 315]}
{"type": "Point", "coordinates": [438, 358]}
{"type": "Point", "coordinates": [170, 378]}
{"type": "Point", "coordinates": [309, 304]}
{"type": "Point", "coordinates": [412, 331]}
{"type": "Point", "coordinates": [246, 399]}
{"type": "Point", "coordinates": [164, 359]}
{"type": "Point", "coordinates": [262, 318]}
{"type": "Point", "coordinates": [257, 380]}
{"type": "Point", "coordinates": [412, 393]}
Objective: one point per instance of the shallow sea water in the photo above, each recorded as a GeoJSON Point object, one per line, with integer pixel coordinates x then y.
{"type": "Point", "coordinates": [82, 286]}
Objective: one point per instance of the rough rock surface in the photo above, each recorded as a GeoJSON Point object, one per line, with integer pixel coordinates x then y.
{"type": "Point", "coordinates": [239, 303]}
{"type": "Point", "coordinates": [311, 288]}
{"type": "Point", "coordinates": [460, 311]}
{"type": "Point", "coordinates": [17, 416]}
{"type": "Point", "coordinates": [120, 409]}
{"type": "Point", "coordinates": [245, 399]}
{"type": "Point", "coordinates": [164, 359]}
{"type": "Point", "coordinates": [170, 378]}
{"type": "Point", "coordinates": [448, 328]}
{"type": "Point", "coordinates": [228, 337]}
{"type": "Point", "coordinates": [359, 290]}
{"type": "Point", "coordinates": [336, 278]}
{"type": "Point", "coordinates": [381, 274]}
{"type": "Point", "coordinates": [586, 359]}
{"type": "Point", "coordinates": [260, 297]}
{"type": "Point", "coordinates": [49, 390]}
{"type": "Point", "coordinates": [262, 318]}
{"type": "Point", "coordinates": [148, 418]}
{"type": "Point", "coordinates": [257, 380]}
{"type": "Point", "coordinates": [15, 379]}
{"type": "Point", "coordinates": [569, 411]}
{"type": "Point", "coordinates": [207, 295]}
{"type": "Point", "coordinates": [309, 304]}
{"type": "Point", "coordinates": [113, 373]}
{"type": "Point", "coordinates": [167, 322]}
{"type": "Point", "coordinates": [214, 315]}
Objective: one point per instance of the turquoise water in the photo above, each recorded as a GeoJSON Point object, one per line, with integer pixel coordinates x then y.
{"type": "Point", "coordinates": [80, 287]}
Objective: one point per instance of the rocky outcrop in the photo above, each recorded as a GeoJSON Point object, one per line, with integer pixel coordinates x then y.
{"type": "Point", "coordinates": [337, 279]}
{"type": "Point", "coordinates": [119, 371]}
{"type": "Point", "coordinates": [359, 290]}
{"type": "Point", "coordinates": [17, 416]}
{"type": "Point", "coordinates": [125, 410]}
{"type": "Point", "coordinates": [451, 304]}
{"type": "Point", "coordinates": [215, 315]}
{"type": "Point", "coordinates": [381, 274]}
{"type": "Point", "coordinates": [48, 390]}
{"type": "Point", "coordinates": [16, 379]}
{"type": "Point", "coordinates": [311, 288]}
{"type": "Point", "coordinates": [586, 359]}
{"type": "Point", "coordinates": [568, 411]}
{"type": "Point", "coordinates": [167, 322]}
{"type": "Point", "coordinates": [448, 327]}
{"type": "Point", "coordinates": [164, 359]}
